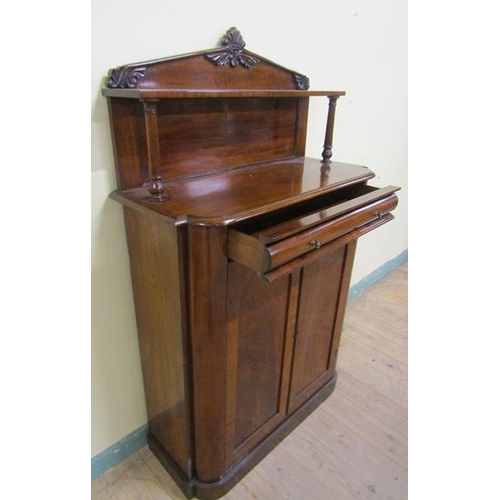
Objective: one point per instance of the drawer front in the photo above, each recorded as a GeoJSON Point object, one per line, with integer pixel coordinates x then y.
{"type": "Point", "coordinates": [263, 253]}
{"type": "Point", "coordinates": [313, 239]}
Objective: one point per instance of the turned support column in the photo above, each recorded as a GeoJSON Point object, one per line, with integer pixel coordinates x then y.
{"type": "Point", "coordinates": [150, 114]}
{"type": "Point", "coordinates": [327, 147]}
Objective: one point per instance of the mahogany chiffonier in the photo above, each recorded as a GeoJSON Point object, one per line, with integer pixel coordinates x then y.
{"type": "Point", "coordinates": [241, 250]}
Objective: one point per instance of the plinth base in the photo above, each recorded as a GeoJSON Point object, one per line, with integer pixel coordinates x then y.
{"type": "Point", "coordinates": [211, 491]}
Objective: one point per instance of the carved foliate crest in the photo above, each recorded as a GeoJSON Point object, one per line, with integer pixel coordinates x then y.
{"type": "Point", "coordinates": [125, 77]}
{"type": "Point", "coordinates": [232, 51]}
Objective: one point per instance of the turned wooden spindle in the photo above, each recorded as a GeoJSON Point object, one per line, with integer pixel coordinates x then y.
{"type": "Point", "coordinates": [327, 147]}
{"type": "Point", "coordinates": [156, 187]}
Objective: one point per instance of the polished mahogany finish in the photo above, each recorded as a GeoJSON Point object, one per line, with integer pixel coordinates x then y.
{"type": "Point", "coordinates": [241, 250]}
{"type": "Point", "coordinates": [327, 147]}
{"type": "Point", "coordinates": [237, 194]}
{"type": "Point", "coordinates": [273, 245]}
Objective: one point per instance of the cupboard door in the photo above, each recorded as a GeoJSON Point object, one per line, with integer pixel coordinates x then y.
{"type": "Point", "coordinates": [258, 363]}
{"type": "Point", "coordinates": [324, 285]}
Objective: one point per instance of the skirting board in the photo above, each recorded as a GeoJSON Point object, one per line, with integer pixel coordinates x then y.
{"type": "Point", "coordinates": [128, 445]}
{"type": "Point", "coordinates": [378, 274]}
{"type": "Point", "coordinates": [119, 451]}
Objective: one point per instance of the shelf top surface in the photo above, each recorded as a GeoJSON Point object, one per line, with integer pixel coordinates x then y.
{"type": "Point", "coordinates": [223, 198]}
{"type": "Point", "coordinates": [215, 93]}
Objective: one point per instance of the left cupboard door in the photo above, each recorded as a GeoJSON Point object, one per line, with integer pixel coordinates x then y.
{"type": "Point", "coordinates": [260, 317]}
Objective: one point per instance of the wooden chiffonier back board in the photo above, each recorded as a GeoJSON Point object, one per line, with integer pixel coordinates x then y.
{"type": "Point", "coordinates": [241, 250]}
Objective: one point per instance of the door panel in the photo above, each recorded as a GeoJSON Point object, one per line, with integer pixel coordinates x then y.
{"type": "Point", "coordinates": [257, 318]}
{"type": "Point", "coordinates": [319, 295]}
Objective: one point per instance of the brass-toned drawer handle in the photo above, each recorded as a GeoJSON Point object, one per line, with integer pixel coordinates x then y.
{"type": "Point", "coordinates": [315, 244]}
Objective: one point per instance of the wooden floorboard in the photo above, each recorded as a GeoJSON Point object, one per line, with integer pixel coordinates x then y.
{"type": "Point", "coordinates": [354, 446]}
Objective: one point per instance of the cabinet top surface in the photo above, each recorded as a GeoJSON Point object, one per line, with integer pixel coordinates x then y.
{"type": "Point", "coordinates": [226, 197]}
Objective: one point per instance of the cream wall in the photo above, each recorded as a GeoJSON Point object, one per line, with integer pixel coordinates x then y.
{"type": "Point", "coordinates": [357, 46]}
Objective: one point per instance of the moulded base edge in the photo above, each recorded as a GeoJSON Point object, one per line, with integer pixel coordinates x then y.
{"type": "Point", "coordinates": [212, 491]}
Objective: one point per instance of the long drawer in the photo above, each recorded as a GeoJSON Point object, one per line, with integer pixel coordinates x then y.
{"type": "Point", "coordinates": [274, 242]}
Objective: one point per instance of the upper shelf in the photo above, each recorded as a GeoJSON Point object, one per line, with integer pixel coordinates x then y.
{"type": "Point", "coordinates": [213, 111]}
{"type": "Point", "coordinates": [214, 93]}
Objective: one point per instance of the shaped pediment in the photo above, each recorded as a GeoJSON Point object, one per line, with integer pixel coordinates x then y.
{"type": "Point", "coordinates": [230, 66]}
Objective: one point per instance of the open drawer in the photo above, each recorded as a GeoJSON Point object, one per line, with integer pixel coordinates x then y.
{"type": "Point", "coordinates": [281, 242]}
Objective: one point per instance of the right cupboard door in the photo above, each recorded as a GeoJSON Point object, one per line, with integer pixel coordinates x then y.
{"type": "Point", "coordinates": [324, 286]}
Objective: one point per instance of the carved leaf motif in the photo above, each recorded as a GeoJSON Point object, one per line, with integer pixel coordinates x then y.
{"type": "Point", "coordinates": [233, 37]}
{"type": "Point", "coordinates": [220, 58]}
{"type": "Point", "coordinates": [301, 81]}
{"type": "Point", "coordinates": [247, 60]}
{"type": "Point", "coordinates": [232, 51]}
{"type": "Point", "coordinates": [125, 77]}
